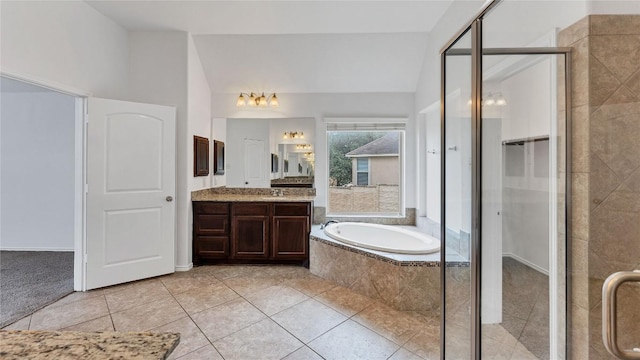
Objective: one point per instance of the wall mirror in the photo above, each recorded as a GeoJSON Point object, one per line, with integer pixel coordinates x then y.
{"type": "Point", "coordinates": [218, 157]}
{"type": "Point", "coordinates": [263, 152]}
{"type": "Point", "coordinates": [200, 156]}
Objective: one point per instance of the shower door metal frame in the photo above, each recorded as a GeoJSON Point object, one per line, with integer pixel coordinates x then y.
{"type": "Point", "coordinates": [477, 52]}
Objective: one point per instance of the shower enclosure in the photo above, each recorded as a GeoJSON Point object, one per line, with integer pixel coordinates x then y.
{"type": "Point", "coordinates": [505, 194]}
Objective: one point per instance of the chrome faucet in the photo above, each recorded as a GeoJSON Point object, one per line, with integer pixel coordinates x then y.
{"type": "Point", "coordinates": [327, 223]}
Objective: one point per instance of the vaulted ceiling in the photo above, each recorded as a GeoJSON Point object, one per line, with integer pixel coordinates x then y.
{"type": "Point", "coordinates": [295, 46]}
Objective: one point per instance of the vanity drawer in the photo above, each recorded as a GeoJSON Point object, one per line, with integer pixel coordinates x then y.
{"type": "Point", "coordinates": [291, 209]}
{"type": "Point", "coordinates": [212, 247]}
{"type": "Point", "coordinates": [211, 224]}
{"type": "Point", "coordinates": [208, 207]}
{"type": "Point", "coordinates": [250, 209]}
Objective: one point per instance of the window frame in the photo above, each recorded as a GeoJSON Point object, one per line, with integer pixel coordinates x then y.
{"type": "Point", "coordinates": [369, 125]}
{"type": "Point", "coordinates": [368, 172]}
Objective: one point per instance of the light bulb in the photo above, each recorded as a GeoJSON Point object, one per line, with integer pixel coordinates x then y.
{"type": "Point", "coordinates": [241, 102]}
{"type": "Point", "coordinates": [274, 101]}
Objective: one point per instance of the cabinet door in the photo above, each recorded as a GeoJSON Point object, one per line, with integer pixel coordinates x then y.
{"type": "Point", "coordinates": [250, 237]}
{"type": "Point", "coordinates": [290, 237]}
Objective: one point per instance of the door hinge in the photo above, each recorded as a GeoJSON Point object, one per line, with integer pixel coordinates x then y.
{"type": "Point", "coordinates": [86, 188]}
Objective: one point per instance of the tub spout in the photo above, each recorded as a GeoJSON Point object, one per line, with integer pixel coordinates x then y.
{"type": "Point", "coordinates": [327, 223]}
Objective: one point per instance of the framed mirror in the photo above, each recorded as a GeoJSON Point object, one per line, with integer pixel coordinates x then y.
{"type": "Point", "coordinates": [218, 157]}
{"type": "Point", "coordinates": [200, 156]}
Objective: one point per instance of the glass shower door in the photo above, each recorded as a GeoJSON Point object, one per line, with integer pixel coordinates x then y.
{"type": "Point", "coordinates": [522, 171]}
{"type": "Point", "coordinates": [456, 212]}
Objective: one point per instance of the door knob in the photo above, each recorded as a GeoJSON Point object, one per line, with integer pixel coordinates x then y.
{"type": "Point", "coordinates": [169, 198]}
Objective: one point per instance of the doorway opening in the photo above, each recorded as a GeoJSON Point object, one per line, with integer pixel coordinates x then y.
{"type": "Point", "coordinates": [41, 191]}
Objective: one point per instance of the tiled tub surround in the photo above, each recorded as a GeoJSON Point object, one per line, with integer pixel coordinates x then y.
{"type": "Point", "coordinates": [320, 216]}
{"type": "Point", "coordinates": [605, 205]}
{"type": "Point", "coordinates": [404, 282]}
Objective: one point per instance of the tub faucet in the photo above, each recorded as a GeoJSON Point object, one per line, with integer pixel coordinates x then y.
{"type": "Point", "coordinates": [327, 223]}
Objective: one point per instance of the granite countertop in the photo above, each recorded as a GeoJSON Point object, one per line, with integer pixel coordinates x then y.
{"type": "Point", "coordinates": [37, 344]}
{"type": "Point", "coordinates": [254, 195]}
{"type": "Point", "coordinates": [251, 198]}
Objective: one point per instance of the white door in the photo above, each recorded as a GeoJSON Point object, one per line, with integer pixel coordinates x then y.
{"type": "Point", "coordinates": [131, 184]}
{"type": "Point", "coordinates": [255, 172]}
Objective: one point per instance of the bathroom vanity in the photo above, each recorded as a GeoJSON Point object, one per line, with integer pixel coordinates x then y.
{"type": "Point", "coordinates": [247, 228]}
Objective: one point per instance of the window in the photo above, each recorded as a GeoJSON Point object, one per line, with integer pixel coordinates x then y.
{"type": "Point", "coordinates": [362, 171]}
{"type": "Point", "coordinates": [365, 170]}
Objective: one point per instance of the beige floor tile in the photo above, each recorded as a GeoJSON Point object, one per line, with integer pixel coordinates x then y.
{"type": "Point", "coordinates": [58, 317]}
{"type": "Point", "coordinates": [284, 272]}
{"type": "Point", "coordinates": [496, 349]}
{"type": "Point", "coordinates": [148, 316]}
{"type": "Point", "coordinates": [22, 324]}
{"type": "Point", "coordinates": [274, 299]}
{"type": "Point", "coordinates": [132, 296]}
{"type": "Point", "coordinates": [103, 323]}
{"type": "Point", "coordinates": [344, 300]}
{"type": "Point", "coordinates": [206, 297]}
{"type": "Point", "coordinates": [223, 272]}
{"type": "Point", "coordinates": [304, 353]}
{"type": "Point", "coordinates": [228, 318]}
{"type": "Point", "coordinates": [263, 340]}
{"type": "Point", "coordinates": [77, 296]}
{"type": "Point", "coordinates": [183, 281]}
{"type": "Point", "coordinates": [129, 285]}
{"type": "Point", "coordinates": [308, 320]}
{"type": "Point", "coordinates": [353, 341]}
{"type": "Point", "coordinates": [521, 353]}
{"type": "Point", "coordinates": [245, 286]}
{"type": "Point", "coordinates": [310, 286]}
{"type": "Point", "coordinates": [204, 353]}
{"type": "Point", "coordinates": [425, 344]}
{"type": "Point", "coordinates": [191, 338]}
{"type": "Point", "coordinates": [395, 325]}
{"type": "Point", "coordinates": [404, 354]}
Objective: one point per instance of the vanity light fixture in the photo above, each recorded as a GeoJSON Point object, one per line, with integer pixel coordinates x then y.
{"type": "Point", "coordinates": [254, 100]}
{"type": "Point", "coordinates": [491, 100]}
{"type": "Point", "coordinates": [293, 135]}
{"type": "Point", "coordinates": [303, 147]}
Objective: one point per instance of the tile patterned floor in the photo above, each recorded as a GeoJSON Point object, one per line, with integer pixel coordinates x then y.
{"type": "Point", "coordinates": [253, 312]}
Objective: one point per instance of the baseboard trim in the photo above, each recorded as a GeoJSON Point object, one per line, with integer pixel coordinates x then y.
{"type": "Point", "coordinates": [526, 263]}
{"type": "Point", "coordinates": [184, 267]}
{"type": "Point", "coordinates": [36, 249]}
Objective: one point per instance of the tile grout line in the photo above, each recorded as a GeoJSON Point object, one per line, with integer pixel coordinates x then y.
{"type": "Point", "coordinates": [193, 321]}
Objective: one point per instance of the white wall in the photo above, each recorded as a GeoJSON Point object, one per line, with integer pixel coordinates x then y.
{"type": "Point", "coordinates": [319, 106]}
{"type": "Point", "coordinates": [38, 170]}
{"type": "Point", "coordinates": [199, 113]}
{"type": "Point", "coordinates": [64, 43]}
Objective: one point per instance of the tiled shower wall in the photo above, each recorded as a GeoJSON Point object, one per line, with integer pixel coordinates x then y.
{"type": "Point", "coordinates": [606, 175]}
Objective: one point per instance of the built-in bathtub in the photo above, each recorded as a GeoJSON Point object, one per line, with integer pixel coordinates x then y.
{"type": "Point", "coordinates": [385, 238]}
{"type": "Point", "coordinates": [409, 282]}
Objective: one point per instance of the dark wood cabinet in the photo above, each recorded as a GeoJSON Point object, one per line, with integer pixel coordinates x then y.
{"type": "Point", "coordinates": [290, 223]}
{"type": "Point", "coordinates": [210, 231]}
{"type": "Point", "coordinates": [251, 231]}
